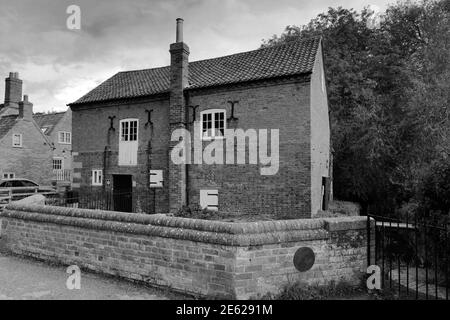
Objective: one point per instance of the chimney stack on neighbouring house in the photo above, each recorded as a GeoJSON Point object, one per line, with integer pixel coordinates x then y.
{"type": "Point", "coordinates": [179, 73]}
{"type": "Point", "coordinates": [25, 109]}
{"type": "Point", "coordinates": [13, 89]}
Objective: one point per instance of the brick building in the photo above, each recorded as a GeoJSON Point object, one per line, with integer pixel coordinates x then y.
{"type": "Point", "coordinates": [49, 149]}
{"type": "Point", "coordinates": [57, 126]}
{"type": "Point", "coordinates": [122, 130]}
{"type": "Point", "coordinates": [25, 152]}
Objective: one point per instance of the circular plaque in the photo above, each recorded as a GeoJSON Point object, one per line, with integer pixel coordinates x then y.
{"type": "Point", "coordinates": [304, 259]}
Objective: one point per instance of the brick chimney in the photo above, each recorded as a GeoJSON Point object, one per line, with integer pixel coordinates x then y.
{"type": "Point", "coordinates": [25, 109]}
{"type": "Point", "coordinates": [13, 89]}
{"type": "Point", "coordinates": [179, 72]}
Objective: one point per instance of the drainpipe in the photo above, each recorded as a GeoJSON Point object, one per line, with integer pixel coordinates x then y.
{"type": "Point", "coordinates": [149, 166]}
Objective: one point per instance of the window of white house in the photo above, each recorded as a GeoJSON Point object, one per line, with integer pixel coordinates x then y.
{"type": "Point", "coordinates": [17, 140]}
{"type": "Point", "coordinates": [209, 199]}
{"type": "Point", "coordinates": [213, 123]}
{"type": "Point", "coordinates": [8, 175]}
{"type": "Point", "coordinates": [97, 177]}
{"type": "Point", "coordinates": [129, 130]}
{"type": "Point", "coordinates": [64, 137]}
{"type": "Point", "coordinates": [57, 163]}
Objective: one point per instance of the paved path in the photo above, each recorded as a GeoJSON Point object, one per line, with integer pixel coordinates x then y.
{"type": "Point", "coordinates": [29, 279]}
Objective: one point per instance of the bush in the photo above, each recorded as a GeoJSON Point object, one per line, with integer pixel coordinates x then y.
{"type": "Point", "coordinates": [302, 291]}
{"type": "Point", "coordinates": [196, 212]}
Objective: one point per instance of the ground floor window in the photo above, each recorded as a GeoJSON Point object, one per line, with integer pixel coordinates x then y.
{"type": "Point", "coordinates": [8, 175]}
{"type": "Point", "coordinates": [97, 177]}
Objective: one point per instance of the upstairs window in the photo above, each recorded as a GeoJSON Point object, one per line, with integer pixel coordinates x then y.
{"type": "Point", "coordinates": [213, 124]}
{"type": "Point", "coordinates": [17, 140]}
{"type": "Point", "coordinates": [129, 130]}
{"type": "Point", "coordinates": [97, 177]}
{"type": "Point", "coordinates": [64, 137]}
{"type": "Point", "coordinates": [57, 163]}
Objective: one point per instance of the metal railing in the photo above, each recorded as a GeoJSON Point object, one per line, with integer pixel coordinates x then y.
{"type": "Point", "coordinates": [413, 256]}
{"type": "Point", "coordinates": [136, 201]}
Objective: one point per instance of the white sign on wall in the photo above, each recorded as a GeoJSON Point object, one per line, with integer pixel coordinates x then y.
{"type": "Point", "coordinates": [156, 178]}
{"type": "Point", "coordinates": [209, 199]}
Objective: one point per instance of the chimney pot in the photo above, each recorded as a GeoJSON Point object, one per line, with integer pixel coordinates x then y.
{"type": "Point", "coordinates": [179, 37]}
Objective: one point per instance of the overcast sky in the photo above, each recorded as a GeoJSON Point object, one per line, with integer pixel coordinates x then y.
{"type": "Point", "coordinates": [59, 65]}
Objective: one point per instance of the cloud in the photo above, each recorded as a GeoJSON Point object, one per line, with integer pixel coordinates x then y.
{"type": "Point", "coordinates": [59, 65]}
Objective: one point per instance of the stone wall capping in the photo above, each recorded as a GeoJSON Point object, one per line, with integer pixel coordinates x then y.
{"type": "Point", "coordinates": [345, 223]}
{"type": "Point", "coordinates": [196, 224]}
{"type": "Point", "coordinates": [218, 232]}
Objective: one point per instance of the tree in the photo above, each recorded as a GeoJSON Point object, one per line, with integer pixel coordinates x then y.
{"type": "Point", "coordinates": [389, 96]}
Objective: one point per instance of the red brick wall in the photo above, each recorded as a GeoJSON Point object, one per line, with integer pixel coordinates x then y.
{"type": "Point", "coordinates": [233, 260]}
{"type": "Point", "coordinates": [179, 74]}
{"type": "Point", "coordinates": [63, 150]}
{"type": "Point", "coordinates": [242, 189]}
{"type": "Point", "coordinates": [91, 135]}
{"type": "Point", "coordinates": [33, 160]}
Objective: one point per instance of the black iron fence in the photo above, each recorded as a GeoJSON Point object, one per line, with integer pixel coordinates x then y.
{"type": "Point", "coordinates": [136, 201]}
{"type": "Point", "coordinates": [413, 256]}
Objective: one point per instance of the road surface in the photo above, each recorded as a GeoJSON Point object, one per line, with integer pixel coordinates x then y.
{"type": "Point", "coordinates": [25, 279]}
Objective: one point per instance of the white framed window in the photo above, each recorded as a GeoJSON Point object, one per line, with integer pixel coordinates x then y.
{"type": "Point", "coordinates": [97, 177]}
{"type": "Point", "coordinates": [213, 124]}
{"type": "Point", "coordinates": [129, 130]}
{"type": "Point", "coordinates": [128, 142]}
{"type": "Point", "coordinates": [8, 175]}
{"type": "Point", "coordinates": [58, 163]}
{"type": "Point", "coordinates": [64, 137]}
{"type": "Point", "coordinates": [17, 140]}
{"type": "Point", "coordinates": [209, 199]}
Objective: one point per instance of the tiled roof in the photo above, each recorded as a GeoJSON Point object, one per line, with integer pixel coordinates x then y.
{"type": "Point", "coordinates": [48, 121]}
{"type": "Point", "coordinates": [293, 58]}
{"type": "Point", "coordinates": [6, 124]}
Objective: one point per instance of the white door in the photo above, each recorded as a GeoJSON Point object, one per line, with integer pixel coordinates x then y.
{"type": "Point", "coordinates": [128, 142]}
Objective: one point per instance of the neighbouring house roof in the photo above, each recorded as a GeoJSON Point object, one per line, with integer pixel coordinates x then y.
{"type": "Point", "coordinates": [6, 124]}
{"type": "Point", "coordinates": [48, 121]}
{"type": "Point", "coordinates": [292, 58]}
{"type": "Point", "coordinates": [9, 121]}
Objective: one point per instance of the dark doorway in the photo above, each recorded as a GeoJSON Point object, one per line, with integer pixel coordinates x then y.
{"type": "Point", "coordinates": [123, 193]}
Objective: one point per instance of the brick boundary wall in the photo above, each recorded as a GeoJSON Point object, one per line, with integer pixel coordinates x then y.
{"type": "Point", "coordinates": [206, 258]}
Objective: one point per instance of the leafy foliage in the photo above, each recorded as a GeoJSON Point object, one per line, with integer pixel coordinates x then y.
{"type": "Point", "coordinates": [388, 81]}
